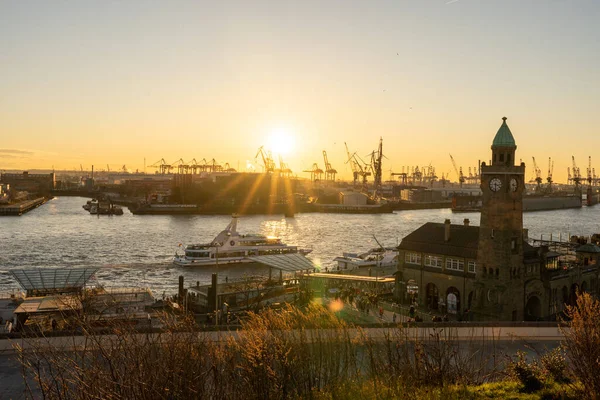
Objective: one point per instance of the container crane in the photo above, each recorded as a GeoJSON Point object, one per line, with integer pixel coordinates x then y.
{"type": "Point", "coordinates": [329, 170]}
{"type": "Point", "coordinates": [589, 171]}
{"type": "Point", "coordinates": [550, 173]}
{"type": "Point", "coordinates": [576, 174]}
{"type": "Point", "coordinates": [193, 165]}
{"type": "Point", "coordinates": [315, 172]}
{"type": "Point", "coordinates": [181, 166]}
{"type": "Point", "coordinates": [162, 166]}
{"type": "Point", "coordinates": [283, 168]}
{"type": "Point", "coordinates": [459, 173]}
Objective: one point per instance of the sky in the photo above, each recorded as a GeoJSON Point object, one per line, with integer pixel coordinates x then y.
{"type": "Point", "coordinates": [110, 82]}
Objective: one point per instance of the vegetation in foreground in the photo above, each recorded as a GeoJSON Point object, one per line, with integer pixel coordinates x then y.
{"type": "Point", "coordinates": [310, 353]}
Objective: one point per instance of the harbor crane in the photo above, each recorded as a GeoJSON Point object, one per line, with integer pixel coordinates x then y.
{"type": "Point", "coordinates": [353, 166]}
{"type": "Point", "coordinates": [589, 171]}
{"type": "Point", "coordinates": [284, 170]}
{"type": "Point", "coordinates": [576, 174]}
{"type": "Point", "coordinates": [315, 172]}
{"type": "Point", "coordinates": [268, 163]}
{"type": "Point", "coordinates": [329, 170]}
{"type": "Point", "coordinates": [357, 169]}
{"type": "Point", "coordinates": [376, 161]}
{"type": "Point", "coordinates": [459, 173]}
{"type": "Point", "coordinates": [538, 175]}
{"type": "Point", "coordinates": [228, 168]}
{"type": "Point", "coordinates": [550, 173]}
{"type": "Point", "coordinates": [162, 166]}
{"type": "Point", "coordinates": [193, 165]}
{"type": "Point", "coordinates": [181, 166]}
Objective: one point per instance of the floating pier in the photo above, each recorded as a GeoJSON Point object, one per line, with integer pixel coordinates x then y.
{"type": "Point", "coordinates": [22, 207]}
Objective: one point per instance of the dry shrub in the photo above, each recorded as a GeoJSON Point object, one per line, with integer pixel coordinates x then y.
{"type": "Point", "coordinates": [438, 358]}
{"type": "Point", "coordinates": [582, 343]}
{"type": "Point", "coordinates": [278, 354]}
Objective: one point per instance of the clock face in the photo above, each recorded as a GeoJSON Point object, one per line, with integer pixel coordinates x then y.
{"type": "Point", "coordinates": [495, 184]}
{"type": "Point", "coordinates": [514, 185]}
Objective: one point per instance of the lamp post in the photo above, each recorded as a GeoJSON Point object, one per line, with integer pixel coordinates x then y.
{"type": "Point", "coordinates": [217, 285]}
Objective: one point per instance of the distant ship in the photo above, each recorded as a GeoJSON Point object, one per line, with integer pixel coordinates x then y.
{"type": "Point", "coordinates": [230, 247]}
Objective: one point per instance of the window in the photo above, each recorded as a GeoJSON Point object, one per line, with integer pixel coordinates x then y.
{"type": "Point", "coordinates": [501, 157]}
{"type": "Point", "coordinates": [455, 264]}
{"type": "Point", "coordinates": [472, 265]}
{"type": "Point", "coordinates": [413, 258]}
{"type": "Point", "coordinates": [433, 261]}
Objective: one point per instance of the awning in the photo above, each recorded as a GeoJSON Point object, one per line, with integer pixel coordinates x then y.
{"type": "Point", "coordinates": [53, 279]}
{"type": "Point", "coordinates": [285, 262]}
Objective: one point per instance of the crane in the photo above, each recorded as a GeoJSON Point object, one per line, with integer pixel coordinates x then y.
{"type": "Point", "coordinates": [268, 163]}
{"type": "Point", "coordinates": [315, 172]}
{"type": "Point", "coordinates": [181, 166]}
{"type": "Point", "coordinates": [355, 171]}
{"type": "Point", "coordinates": [459, 174]}
{"type": "Point", "coordinates": [550, 173]}
{"type": "Point", "coordinates": [329, 170]}
{"type": "Point", "coordinates": [357, 167]}
{"type": "Point", "coordinates": [193, 165]}
{"type": "Point", "coordinates": [576, 174]}
{"type": "Point", "coordinates": [283, 168]}
{"type": "Point", "coordinates": [589, 171]}
{"type": "Point", "coordinates": [228, 168]}
{"type": "Point", "coordinates": [376, 161]}
{"type": "Point", "coordinates": [538, 174]}
{"type": "Point", "coordinates": [162, 166]}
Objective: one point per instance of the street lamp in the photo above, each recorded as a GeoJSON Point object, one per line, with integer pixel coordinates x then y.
{"type": "Point", "coordinates": [217, 285]}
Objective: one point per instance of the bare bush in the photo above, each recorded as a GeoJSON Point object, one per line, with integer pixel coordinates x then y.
{"type": "Point", "coordinates": [582, 343]}
{"type": "Point", "coordinates": [283, 354]}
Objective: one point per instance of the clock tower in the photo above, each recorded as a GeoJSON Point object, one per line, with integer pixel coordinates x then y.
{"type": "Point", "coordinates": [499, 287]}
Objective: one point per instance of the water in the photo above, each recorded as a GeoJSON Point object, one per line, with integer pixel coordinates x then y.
{"type": "Point", "coordinates": [136, 250]}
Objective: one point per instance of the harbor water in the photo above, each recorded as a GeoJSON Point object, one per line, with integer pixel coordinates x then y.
{"type": "Point", "coordinates": [136, 250]}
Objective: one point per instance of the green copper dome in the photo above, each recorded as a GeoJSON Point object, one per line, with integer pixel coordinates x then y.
{"type": "Point", "coordinates": [504, 137]}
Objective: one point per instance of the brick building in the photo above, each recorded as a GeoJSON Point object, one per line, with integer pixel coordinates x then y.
{"type": "Point", "coordinates": [492, 270]}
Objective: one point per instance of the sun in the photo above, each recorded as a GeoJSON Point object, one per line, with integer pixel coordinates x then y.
{"type": "Point", "coordinates": [281, 141]}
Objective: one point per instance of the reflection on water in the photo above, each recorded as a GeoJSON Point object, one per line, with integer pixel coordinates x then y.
{"type": "Point", "coordinates": [136, 250]}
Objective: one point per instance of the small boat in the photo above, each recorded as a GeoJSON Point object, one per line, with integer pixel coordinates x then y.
{"type": "Point", "coordinates": [377, 257]}
{"type": "Point", "coordinates": [231, 247]}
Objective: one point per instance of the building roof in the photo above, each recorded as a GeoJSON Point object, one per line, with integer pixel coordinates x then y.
{"type": "Point", "coordinates": [429, 238]}
{"type": "Point", "coordinates": [504, 137]}
{"type": "Point", "coordinates": [285, 262]}
{"type": "Point", "coordinates": [588, 248]}
{"type": "Point", "coordinates": [53, 279]}
{"type": "Point", "coordinates": [49, 304]}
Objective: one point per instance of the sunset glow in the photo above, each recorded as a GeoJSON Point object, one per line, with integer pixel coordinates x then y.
{"type": "Point", "coordinates": [281, 141]}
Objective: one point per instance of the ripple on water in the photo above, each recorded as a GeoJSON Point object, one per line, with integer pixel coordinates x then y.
{"type": "Point", "coordinates": [137, 250]}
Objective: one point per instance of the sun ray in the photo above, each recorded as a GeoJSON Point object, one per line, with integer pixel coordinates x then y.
{"type": "Point", "coordinates": [251, 193]}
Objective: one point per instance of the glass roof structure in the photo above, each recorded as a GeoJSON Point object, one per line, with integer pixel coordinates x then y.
{"type": "Point", "coordinates": [286, 262]}
{"type": "Point", "coordinates": [53, 279]}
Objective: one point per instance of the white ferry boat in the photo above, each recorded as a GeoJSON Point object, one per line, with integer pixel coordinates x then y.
{"type": "Point", "coordinates": [378, 257]}
{"type": "Point", "coordinates": [231, 247]}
